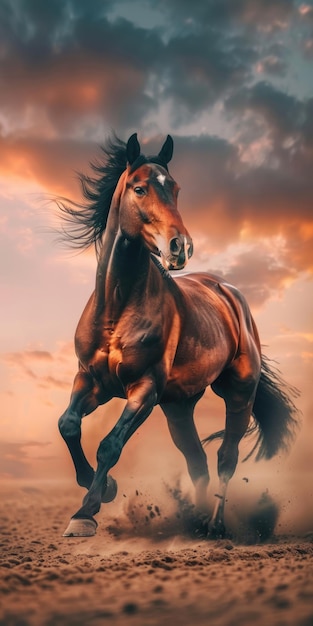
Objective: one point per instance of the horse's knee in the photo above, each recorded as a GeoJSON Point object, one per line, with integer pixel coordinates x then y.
{"type": "Point", "coordinates": [69, 425]}
{"type": "Point", "coordinates": [109, 451]}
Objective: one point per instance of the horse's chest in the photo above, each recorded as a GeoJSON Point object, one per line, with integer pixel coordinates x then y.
{"type": "Point", "coordinates": [131, 353]}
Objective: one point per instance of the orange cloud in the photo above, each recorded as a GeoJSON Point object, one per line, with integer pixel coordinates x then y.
{"type": "Point", "coordinates": [52, 164]}
{"type": "Point", "coordinates": [15, 461]}
{"type": "Point", "coordinates": [221, 195]}
{"type": "Point", "coordinates": [46, 370]}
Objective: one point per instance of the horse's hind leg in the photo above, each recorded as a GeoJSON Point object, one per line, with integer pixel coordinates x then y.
{"type": "Point", "coordinates": [184, 434]}
{"type": "Point", "coordinates": [238, 392]}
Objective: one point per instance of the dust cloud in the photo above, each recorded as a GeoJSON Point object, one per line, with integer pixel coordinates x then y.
{"type": "Point", "coordinates": [264, 498]}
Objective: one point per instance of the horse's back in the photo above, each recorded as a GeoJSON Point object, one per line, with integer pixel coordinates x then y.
{"type": "Point", "coordinates": [224, 303]}
{"type": "Point", "coordinates": [209, 295]}
{"type": "Point", "coordinates": [212, 292]}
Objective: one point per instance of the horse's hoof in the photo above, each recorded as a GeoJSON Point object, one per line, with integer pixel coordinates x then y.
{"type": "Point", "coordinates": [81, 528]}
{"type": "Point", "coordinates": [111, 490]}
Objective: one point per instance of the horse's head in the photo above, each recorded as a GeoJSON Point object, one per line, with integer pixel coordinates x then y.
{"type": "Point", "coordinates": [148, 206]}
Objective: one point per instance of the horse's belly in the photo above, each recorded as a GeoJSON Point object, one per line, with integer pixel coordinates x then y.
{"type": "Point", "coordinates": [194, 375]}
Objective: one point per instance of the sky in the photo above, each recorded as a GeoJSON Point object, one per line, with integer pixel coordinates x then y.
{"type": "Point", "coordinates": [232, 83]}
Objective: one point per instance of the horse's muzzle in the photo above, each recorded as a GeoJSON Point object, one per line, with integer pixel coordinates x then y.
{"type": "Point", "coordinates": [181, 249]}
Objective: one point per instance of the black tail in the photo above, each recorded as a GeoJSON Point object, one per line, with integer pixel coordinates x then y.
{"type": "Point", "coordinates": [275, 415]}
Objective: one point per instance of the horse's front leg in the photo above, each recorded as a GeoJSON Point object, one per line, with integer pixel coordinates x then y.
{"type": "Point", "coordinates": [141, 398]}
{"type": "Point", "coordinates": [84, 400]}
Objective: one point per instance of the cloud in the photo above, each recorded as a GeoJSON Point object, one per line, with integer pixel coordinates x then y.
{"type": "Point", "coordinates": [15, 460]}
{"type": "Point", "coordinates": [272, 64]}
{"type": "Point", "coordinates": [259, 13]}
{"type": "Point", "coordinates": [39, 355]}
{"type": "Point", "coordinates": [201, 67]}
{"type": "Point", "coordinates": [44, 369]}
{"type": "Point", "coordinates": [247, 188]}
{"type": "Point", "coordinates": [259, 273]}
{"type": "Point", "coordinates": [52, 163]}
{"type": "Point", "coordinates": [71, 69]}
{"type": "Point", "coordinates": [306, 20]}
{"type": "Point", "coordinates": [285, 119]}
{"type": "Point", "coordinates": [232, 201]}
{"type": "Point", "coordinates": [283, 113]}
{"type": "Point", "coordinates": [48, 382]}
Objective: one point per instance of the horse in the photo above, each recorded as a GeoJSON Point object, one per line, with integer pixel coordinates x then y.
{"type": "Point", "coordinates": [153, 339]}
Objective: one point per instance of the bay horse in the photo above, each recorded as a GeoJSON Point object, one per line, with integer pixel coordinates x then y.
{"type": "Point", "coordinates": [152, 339]}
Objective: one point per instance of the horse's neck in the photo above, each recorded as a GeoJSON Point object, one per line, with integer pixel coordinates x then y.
{"type": "Point", "coordinates": [123, 264]}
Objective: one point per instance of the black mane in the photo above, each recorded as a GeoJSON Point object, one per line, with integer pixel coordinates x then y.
{"type": "Point", "coordinates": [86, 222]}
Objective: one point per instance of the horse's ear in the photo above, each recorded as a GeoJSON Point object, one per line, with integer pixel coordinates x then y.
{"type": "Point", "coordinates": [132, 149]}
{"type": "Point", "coordinates": [166, 151]}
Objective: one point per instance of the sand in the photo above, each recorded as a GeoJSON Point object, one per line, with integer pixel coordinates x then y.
{"type": "Point", "coordinates": [147, 565]}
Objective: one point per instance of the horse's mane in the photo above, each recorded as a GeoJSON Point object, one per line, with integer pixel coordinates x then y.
{"type": "Point", "coordinates": [86, 221]}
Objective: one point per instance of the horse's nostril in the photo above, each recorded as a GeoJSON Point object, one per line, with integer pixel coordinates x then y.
{"type": "Point", "coordinates": [175, 246]}
{"type": "Point", "coordinates": [190, 250]}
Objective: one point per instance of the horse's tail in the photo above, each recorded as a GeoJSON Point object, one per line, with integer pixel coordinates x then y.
{"type": "Point", "coordinates": [276, 418]}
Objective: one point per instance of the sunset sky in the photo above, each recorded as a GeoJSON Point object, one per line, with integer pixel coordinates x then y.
{"type": "Point", "coordinates": [231, 81]}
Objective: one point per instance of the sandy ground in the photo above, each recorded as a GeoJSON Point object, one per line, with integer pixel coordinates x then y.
{"type": "Point", "coordinates": [147, 564]}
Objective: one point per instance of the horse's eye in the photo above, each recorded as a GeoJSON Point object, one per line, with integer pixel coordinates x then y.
{"type": "Point", "coordinates": [139, 191]}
